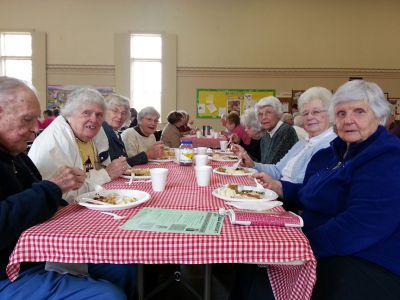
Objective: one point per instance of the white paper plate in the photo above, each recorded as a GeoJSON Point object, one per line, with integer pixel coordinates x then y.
{"type": "Point", "coordinates": [268, 195]}
{"type": "Point", "coordinates": [249, 171]}
{"type": "Point", "coordinates": [141, 197]}
{"type": "Point", "coordinates": [224, 158]}
{"type": "Point", "coordinates": [161, 160]}
{"type": "Point", "coordinates": [136, 177]}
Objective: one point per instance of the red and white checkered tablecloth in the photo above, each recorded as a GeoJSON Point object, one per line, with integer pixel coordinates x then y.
{"type": "Point", "coordinates": [204, 141]}
{"type": "Point", "coordinates": [78, 235]}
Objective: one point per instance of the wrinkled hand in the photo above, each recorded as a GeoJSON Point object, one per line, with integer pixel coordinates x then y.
{"type": "Point", "coordinates": [156, 151]}
{"type": "Point", "coordinates": [117, 167]}
{"type": "Point", "coordinates": [69, 179]}
{"type": "Point", "coordinates": [235, 138]}
{"type": "Point", "coordinates": [269, 183]}
{"type": "Point", "coordinates": [242, 154]}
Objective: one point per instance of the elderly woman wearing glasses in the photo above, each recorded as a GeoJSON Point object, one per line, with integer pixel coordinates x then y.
{"type": "Point", "coordinates": [313, 105]}
{"type": "Point", "coordinates": [351, 201]}
{"type": "Point", "coordinates": [76, 139]}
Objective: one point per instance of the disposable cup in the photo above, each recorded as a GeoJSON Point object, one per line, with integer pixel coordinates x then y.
{"type": "Point", "coordinates": [203, 175]}
{"type": "Point", "coordinates": [158, 179]}
{"type": "Point", "coordinates": [201, 150]}
{"type": "Point", "coordinates": [223, 145]}
{"type": "Point", "coordinates": [201, 159]}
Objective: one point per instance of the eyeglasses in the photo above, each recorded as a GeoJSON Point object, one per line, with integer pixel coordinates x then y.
{"type": "Point", "coordinates": [314, 113]}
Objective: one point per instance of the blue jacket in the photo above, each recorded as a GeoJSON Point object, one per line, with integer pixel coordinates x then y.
{"type": "Point", "coordinates": [117, 148]}
{"type": "Point", "coordinates": [24, 201]}
{"type": "Point", "coordinates": [351, 205]}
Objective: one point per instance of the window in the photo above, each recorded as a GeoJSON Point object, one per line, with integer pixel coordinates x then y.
{"type": "Point", "coordinates": [146, 70]}
{"type": "Point", "coordinates": [16, 55]}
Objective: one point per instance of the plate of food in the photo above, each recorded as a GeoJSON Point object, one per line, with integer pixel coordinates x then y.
{"type": "Point", "coordinates": [224, 157]}
{"type": "Point", "coordinates": [107, 200]}
{"type": "Point", "coordinates": [137, 173]}
{"type": "Point", "coordinates": [235, 192]}
{"type": "Point", "coordinates": [239, 171]}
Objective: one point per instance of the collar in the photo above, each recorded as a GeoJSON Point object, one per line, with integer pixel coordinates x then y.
{"type": "Point", "coordinates": [272, 132]}
{"type": "Point", "coordinates": [353, 149]}
{"type": "Point", "coordinates": [316, 139]}
{"type": "Point", "coordinates": [137, 128]}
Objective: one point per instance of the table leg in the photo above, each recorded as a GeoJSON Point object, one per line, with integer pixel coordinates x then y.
{"type": "Point", "coordinates": [140, 282]}
{"type": "Point", "coordinates": [207, 282]}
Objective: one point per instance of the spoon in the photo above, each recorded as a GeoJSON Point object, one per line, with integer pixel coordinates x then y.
{"type": "Point", "coordinates": [258, 185]}
{"type": "Point", "coordinates": [235, 165]}
{"type": "Point", "coordinates": [93, 201]}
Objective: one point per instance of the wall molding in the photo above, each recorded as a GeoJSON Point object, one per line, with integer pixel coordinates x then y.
{"type": "Point", "coordinates": [81, 69]}
{"type": "Point", "coordinates": [287, 72]}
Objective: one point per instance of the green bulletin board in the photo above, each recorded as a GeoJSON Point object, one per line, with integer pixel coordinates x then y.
{"type": "Point", "coordinates": [212, 103]}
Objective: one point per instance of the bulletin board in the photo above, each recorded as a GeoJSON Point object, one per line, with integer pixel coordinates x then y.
{"type": "Point", "coordinates": [212, 103]}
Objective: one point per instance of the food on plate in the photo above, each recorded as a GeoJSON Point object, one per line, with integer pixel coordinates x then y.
{"type": "Point", "coordinates": [224, 157]}
{"type": "Point", "coordinates": [114, 199]}
{"type": "Point", "coordinates": [138, 172]}
{"type": "Point", "coordinates": [231, 171]}
{"type": "Point", "coordinates": [232, 190]}
{"type": "Point", "coordinates": [167, 154]}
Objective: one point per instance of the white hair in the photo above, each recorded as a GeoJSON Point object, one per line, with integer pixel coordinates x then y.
{"type": "Point", "coordinates": [270, 101]}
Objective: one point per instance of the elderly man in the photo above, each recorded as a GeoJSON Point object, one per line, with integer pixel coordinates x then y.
{"type": "Point", "coordinates": [117, 113]}
{"type": "Point", "coordinates": [77, 139]}
{"type": "Point", "coordinates": [26, 200]}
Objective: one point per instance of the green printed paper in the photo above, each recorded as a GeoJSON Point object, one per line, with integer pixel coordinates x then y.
{"type": "Point", "coordinates": [173, 220]}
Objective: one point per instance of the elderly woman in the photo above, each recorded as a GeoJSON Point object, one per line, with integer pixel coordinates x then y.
{"type": "Point", "coordinates": [116, 115]}
{"type": "Point", "coordinates": [254, 130]}
{"type": "Point", "coordinates": [313, 104]}
{"type": "Point", "coordinates": [141, 138]}
{"type": "Point", "coordinates": [76, 139]}
{"type": "Point", "coordinates": [171, 136]}
{"type": "Point", "coordinates": [350, 200]}
{"type": "Point", "coordinates": [279, 136]}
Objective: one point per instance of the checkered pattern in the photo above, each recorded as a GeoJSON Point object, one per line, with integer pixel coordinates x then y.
{"type": "Point", "coordinates": [77, 235]}
{"type": "Point", "coordinates": [204, 141]}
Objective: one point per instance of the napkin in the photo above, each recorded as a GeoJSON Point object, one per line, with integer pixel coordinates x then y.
{"type": "Point", "coordinates": [255, 205]}
{"type": "Point", "coordinates": [266, 218]}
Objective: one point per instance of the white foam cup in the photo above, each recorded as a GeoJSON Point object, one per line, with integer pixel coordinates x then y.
{"type": "Point", "coordinates": [158, 179]}
{"type": "Point", "coordinates": [223, 145]}
{"type": "Point", "coordinates": [203, 175]}
{"type": "Point", "coordinates": [201, 159]}
{"type": "Point", "coordinates": [201, 150]}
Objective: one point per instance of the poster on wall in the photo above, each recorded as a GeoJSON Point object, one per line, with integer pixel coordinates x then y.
{"type": "Point", "coordinates": [212, 103]}
{"type": "Point", "coordinates": [57, 94]}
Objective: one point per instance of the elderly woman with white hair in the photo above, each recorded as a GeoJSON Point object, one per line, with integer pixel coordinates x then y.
{"type": "Point", "coordinates": [116, 115]}
{"type": "Point", "coordinates": [350, 200]}
{"type": "Point", "coordinates": [76, 139]}
{"type": "Point", "coordinates": [141, 138]}
{"type": "Point", "coordinates": [313, 104]}
{"type": "Point", "coordinates": [278, 138]}
{"type": "Point", "coordinates": [254, 130]}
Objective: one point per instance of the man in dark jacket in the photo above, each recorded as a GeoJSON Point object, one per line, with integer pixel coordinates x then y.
{"type": "Point", "coordinates": [26, 200]}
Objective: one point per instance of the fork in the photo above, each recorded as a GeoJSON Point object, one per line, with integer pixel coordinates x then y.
{"type": "Point", "coordinates": [116, 217]}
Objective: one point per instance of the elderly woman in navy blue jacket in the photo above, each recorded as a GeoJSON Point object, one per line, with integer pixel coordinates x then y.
{"type": "Point", "coordinates": [350, 200]}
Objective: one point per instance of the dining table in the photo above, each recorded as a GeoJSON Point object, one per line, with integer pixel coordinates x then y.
{"type": "Point", "coordinates": [76, 234]}
{"type": "Point", "coordinates": [205, 141]}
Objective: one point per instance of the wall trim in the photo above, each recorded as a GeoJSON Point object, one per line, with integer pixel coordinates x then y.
{"type": "Point", "coordinates": [287, 72]}
{"type": "Point", "coordinates": [81, 69]}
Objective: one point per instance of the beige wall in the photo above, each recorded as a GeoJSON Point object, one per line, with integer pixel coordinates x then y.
{"type": "Point", "coordinates": [242, 34]}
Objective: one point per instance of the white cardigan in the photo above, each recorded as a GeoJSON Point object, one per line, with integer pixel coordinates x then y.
{"type": "Point", "coordinates": [56, 147]}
